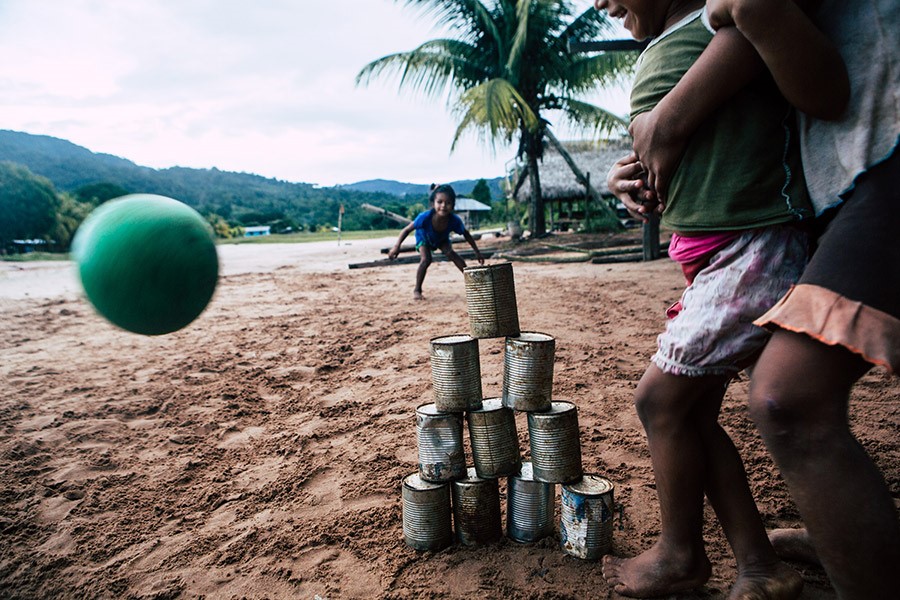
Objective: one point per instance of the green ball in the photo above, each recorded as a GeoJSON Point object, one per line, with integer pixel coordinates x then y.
{"type": "Point", "coordinates": [147, 263]}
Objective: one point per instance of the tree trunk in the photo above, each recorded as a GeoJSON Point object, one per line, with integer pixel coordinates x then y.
{"type": "Point", "coordinates": [607, 215]}
{"type": "Point", "coordinates": [536, 219]}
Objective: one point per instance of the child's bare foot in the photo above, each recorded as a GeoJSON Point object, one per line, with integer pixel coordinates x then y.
{"type": "Point", "coordinates": [771, 582]}
{"type": "Point", "coordinates": [655, 573]}
{"type": "Point", "coordinates": [417, 295]}
{"type": "Point", "coordinates": [793, 544]}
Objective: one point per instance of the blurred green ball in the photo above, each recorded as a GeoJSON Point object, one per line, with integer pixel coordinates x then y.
{"type": "Point", "coordinates": [147, 263]}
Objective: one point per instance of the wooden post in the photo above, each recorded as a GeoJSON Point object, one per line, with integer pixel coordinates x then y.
{"type": "Point", "coordinates": [650, 232]}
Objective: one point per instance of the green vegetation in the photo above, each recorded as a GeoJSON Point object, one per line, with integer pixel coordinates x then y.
{"type": "Point", "coordinates": [318, 236]}
{"type": "Point", "coordinates": [48, 186]}
{"type": "Point", "coordinates": [507, 64]}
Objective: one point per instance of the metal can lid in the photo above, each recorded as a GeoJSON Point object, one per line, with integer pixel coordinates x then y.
{"type": "Point", "coordinates": [496, 266]}
{"type": "Point", "coordinates": [530, 337]}
{"type": "Point", "coordinates": [489, 405]}
{"type": "Point", "coordinates": [526, 472]}
{"type": "Point", "coordinates": [471, 476]}
{"type": "Point", "coordinates": [590, 485]}
{"type": "Point", "coordinates": [415, 482]}
{"type": "Point", "coordinates": [430, 410]}
{"type": "Point", "coordinates": [558, 407]}
{"type": "Point", "coordinates": [454, 339]}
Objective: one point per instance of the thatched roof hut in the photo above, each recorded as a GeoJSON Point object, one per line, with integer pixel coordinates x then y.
{"type": "Point", "coordinates": [558, 183]}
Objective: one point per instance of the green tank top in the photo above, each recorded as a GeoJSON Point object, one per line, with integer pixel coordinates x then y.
{"type": "Point", "coordinates": [741, 168]}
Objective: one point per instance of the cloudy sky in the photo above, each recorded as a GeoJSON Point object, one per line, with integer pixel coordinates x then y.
{"type": "Point", "coordinates": [262, 87]}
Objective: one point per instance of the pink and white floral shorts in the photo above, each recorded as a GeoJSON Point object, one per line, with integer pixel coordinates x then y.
{"type": "Point", "coordinates": [714, 334]}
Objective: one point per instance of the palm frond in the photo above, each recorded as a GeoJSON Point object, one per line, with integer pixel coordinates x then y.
{"type": "Point", "coordinates": [587, 73]}
{"type": "Point", "coordinates": [467, 17]}
{"type": "Point", "coordinates": [589, 25]}
{"type": "Point", "coordinates": [591, 118]}
{"type": "Point", "coordinates": [496, 109]}
{"type": "Point", "coordinates": [429, 69]}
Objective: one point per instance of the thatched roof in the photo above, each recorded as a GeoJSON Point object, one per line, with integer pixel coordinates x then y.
{"type": "Point", "coordinates": [557, 180]}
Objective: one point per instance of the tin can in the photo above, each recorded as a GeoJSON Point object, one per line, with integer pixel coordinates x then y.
{"type": "Point", "coordinates": [586, 517]}
{"type": "Point", "coordinates": [456, 373]}
{"type": "Point", "coordinates": [528, 371]}
{"type": "Point", "coordinates": [427, 523]}
{"type": "Point", "coordinates": [440, 441]}
{"type": "Point", "coordinates": [494, 440]}
{"type": "Point", "coordinates": [555, 444]}
{"type": "Point", "coordinates": [476, 509]}
{"type": "Point", "coordinates": [491, 300]}
{"type": "Point", "coordinates": [530, 507]}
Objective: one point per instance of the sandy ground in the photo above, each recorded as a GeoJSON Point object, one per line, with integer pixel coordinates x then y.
{"type": "Point", "coordinates": [258, 453]}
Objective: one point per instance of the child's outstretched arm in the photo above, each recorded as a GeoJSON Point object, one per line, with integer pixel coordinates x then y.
{"type": "Point", "coordinates": [468, 237]}
{"type": "Point", "coordinates": [396, 249]}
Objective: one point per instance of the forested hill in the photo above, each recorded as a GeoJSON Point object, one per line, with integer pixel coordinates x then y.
{"type": "Point", "coordinates": [399, 188]}
{"type": "Point", "coordinates": [237, 197]}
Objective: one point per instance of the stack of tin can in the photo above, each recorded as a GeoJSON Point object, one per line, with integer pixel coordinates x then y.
{"type": "Point", "coordinates": [445, 490]}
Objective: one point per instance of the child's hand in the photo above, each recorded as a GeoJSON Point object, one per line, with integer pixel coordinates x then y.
{"type": "Point", "coordinates": [625, 182]}
{"type": "Point", "coordinates": [721, 12]}
{"type": "Point", "coordinates": [393, 253]}
{"type": "Point", "coordinates": [479, 258]}
{"type": "Point", "coordinates": [659, 150]}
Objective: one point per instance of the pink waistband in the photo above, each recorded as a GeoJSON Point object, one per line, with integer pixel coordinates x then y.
{"type": "Point", "coordinates": [688, 249]}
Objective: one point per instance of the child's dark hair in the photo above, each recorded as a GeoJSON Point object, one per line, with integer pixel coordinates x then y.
{"type": "Point", "coordinates": [445, 189]}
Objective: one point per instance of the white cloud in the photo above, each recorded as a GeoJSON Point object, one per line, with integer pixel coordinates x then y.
{"type": "Point", "coordinates": [264, 87]}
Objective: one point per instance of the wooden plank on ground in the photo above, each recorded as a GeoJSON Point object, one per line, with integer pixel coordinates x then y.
{"type": "Point", "coordinates": [405, 260]}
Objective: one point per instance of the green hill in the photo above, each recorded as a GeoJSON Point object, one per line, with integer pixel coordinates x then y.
{"type": "Point", "coordinates": [238, 197]}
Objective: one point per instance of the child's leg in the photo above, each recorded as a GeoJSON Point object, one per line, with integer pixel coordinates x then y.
{"type": "Point", "coordinates": [457, 260]}
{"type": "Point", "coordinates": [677, 561]}
{"type": "Point", "coordinates": [799, 398]}
{"type": "Point", "coordinates": [691, 452]}
{"type": "Point", "coordinates": [761, 574]}
{"type": "Point", "coordinates": [424, 262]}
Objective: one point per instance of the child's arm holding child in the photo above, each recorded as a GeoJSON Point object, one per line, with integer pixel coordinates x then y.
{"type": "Point", "coordinates": [396, 249]}
{"type": "Point", "coordinates": [805, 65]}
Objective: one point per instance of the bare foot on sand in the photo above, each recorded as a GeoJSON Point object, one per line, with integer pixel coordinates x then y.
{"type": "Point", "coordinates": [771, 582]}
{"type": "Point", "coordinates": [655, 573]}
{"type": "Point", "coordinates": [794, 544]}
{"type": "Point", "coordinates": [417, 295]}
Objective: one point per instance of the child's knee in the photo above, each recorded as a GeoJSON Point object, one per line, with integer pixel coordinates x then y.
{"type": "Point", "coordinates": [787, 411]}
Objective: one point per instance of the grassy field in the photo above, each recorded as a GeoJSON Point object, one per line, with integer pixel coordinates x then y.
{"type": "Point", "coordinates": [319, 236]}
{"type": "Point", "coordinates": [35, 256]}
{"type": "Point", "coordinates": [289, 238]}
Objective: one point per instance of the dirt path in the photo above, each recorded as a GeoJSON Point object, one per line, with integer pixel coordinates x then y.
{"type": "Point", "coordinates": [259, 452]}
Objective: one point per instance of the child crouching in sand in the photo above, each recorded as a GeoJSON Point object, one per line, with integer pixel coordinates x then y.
{"type": "Point", "coordinates": [433, 228]}
{"type": "Point", "coordinates": [731, 203]}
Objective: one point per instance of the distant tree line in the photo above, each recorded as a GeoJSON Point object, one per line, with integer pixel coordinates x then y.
{"type": "Point", "coordinates": [31, 208]}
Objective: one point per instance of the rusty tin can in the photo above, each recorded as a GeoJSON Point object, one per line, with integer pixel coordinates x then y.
{"type": "Point", "coordinates": [586, 517]}
{"type": "Point", "coordinates": [528, 371]}
{"type": "Point", "coordinates": [494, 440]}
{"type": "Point", "coordinates": [476, 509]}
{"type": "Point", "coordinates": [427, 522]}
{"type": "Point", "coordinates": [530, 507]}
{"type": "Point", "coordinates": [555, 445]}
{"type": "Point", "coordinates": [491, 301]}
{"type": "Point", "coordinates": [456, 373]}
{"type": "Point", "coordinates": [440, 441]}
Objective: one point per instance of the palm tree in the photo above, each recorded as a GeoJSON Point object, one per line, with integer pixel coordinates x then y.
{"type": "Point", "coordinates": [506, 66]}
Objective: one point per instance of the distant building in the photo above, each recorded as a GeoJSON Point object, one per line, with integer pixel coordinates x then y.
{"type": "Point", "coordinates": [468, 210]}
{"type": "Point", "coordinates": [257, 230]}
{"type": "Point", "coordinates": [566, 197]}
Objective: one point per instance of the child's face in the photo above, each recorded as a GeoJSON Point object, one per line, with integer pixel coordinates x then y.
{"type": "Point", "coordinates": [642, 18]}
{"type": "Point", "coordinates": [443, 205]}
